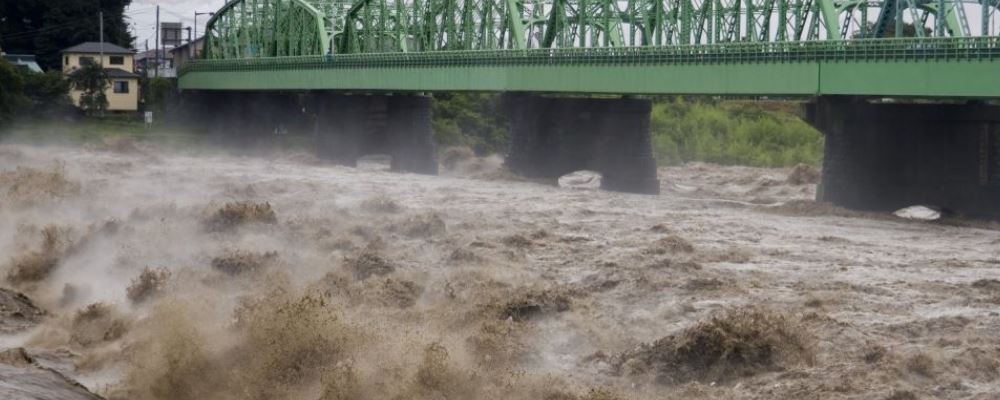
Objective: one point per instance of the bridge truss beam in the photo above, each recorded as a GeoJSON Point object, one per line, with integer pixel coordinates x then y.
{"type": "Point", "coordinates": [277, 28]}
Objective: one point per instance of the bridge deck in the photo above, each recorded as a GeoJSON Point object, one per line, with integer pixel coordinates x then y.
{"type": "Point", "coordinates": [919, 67]}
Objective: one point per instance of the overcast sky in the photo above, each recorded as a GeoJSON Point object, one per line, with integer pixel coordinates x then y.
{"type": "Point", "coordinates": [142, 14]}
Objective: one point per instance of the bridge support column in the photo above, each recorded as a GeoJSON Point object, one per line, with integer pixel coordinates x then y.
{"type": "Point", "coordinates": [349, 126]}
{"type": "Point", "coordinates": [243, 119]}
{"type": "Point", "coordinates": [886, 156]}
{"type": "Point", "coordinates": [551, 137]}
{"type": "Point", "coordinates": [341, 123]}
{"type": "Point", "coordinates": [410, 134]}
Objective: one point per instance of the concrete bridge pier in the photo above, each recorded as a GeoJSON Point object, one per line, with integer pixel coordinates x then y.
{"type": "Point", "coordinates": [410, 134]}
{"type": "Point", "coordinates": [551, 137]}
{"type": "Point", "coordinates": [350, 126]}
{"type": "Point", "coordinates": [244, 118]}
{"type": "Point", "coordinates": [340, 127]}
{"type": "Point", "coordinates": [886, 156]}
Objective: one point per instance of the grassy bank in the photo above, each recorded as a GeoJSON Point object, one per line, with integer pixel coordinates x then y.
{"type": "Point", "coordinates": [767, 134]}
{"type": "Point", "coordinates": [84, 131]}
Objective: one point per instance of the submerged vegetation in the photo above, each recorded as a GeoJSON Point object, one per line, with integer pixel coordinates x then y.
{"type": "Point", "coordinates": [762, 134]}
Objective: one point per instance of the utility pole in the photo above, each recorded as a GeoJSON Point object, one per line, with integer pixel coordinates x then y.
{"type": "Point", "coordinates": [100, 15]}
{"type": "Point", "coordinates": [190, 44]}
{"type": "Point", "coordinates": [157, 73]}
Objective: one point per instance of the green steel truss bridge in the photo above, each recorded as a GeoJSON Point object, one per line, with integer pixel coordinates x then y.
{"type": "Point", "coordinates": [722, 47]}
{"type": "Point", "coordinates": [900, 88]}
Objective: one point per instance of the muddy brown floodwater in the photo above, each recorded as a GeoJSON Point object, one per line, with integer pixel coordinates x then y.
{"type": "Point", "coordinates": [147, 274]}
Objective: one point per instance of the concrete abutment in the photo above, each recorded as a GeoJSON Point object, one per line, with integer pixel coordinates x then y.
{"type": "Point", "coordinates": [552, 136]}
{"type": "Point", "coordinates": [886, 156]}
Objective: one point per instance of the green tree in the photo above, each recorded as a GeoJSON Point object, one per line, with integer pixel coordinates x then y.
{"type": "Point", "coordinates": [46, 94]}
{"type": "Point", "coordinates": [470, 119]}
{"type": "Point", "coordinates": [160, 95]}
{"type": "Point", "coordinates": [11, 91]}
{"type": "Point", "coordinates": [46, 27]}
{"type": "Point", "coordinates": [92, 81]}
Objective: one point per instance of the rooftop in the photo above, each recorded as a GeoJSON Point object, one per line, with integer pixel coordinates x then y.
{"type": "Point", "coordinates": [114, 73]}
{"type": "Point", "coordinates": [95, 48]}
{"type": "Point", "coordinates": [26, 61]}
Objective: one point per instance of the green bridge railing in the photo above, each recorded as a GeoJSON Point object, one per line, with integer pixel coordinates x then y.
{"type": "Point", "coordinates": [895, 49]}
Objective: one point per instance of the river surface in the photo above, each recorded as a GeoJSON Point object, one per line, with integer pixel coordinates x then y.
{"type": "Point", "coordinates": [181, 275]}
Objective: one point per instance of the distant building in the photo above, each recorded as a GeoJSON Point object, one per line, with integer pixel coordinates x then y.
{"type": "Point", "coordinates": [148, 66]}
{"type": "Point", "coordinates": [23, 61]}
{"type": "Point", "coordinates": [188, 52]}
{"type": "Point", "coordinates": [170, 35]}
{"type": "Point", "coordinates": [118, 62]}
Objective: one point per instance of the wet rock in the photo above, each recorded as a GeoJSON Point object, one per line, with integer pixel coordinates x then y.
{"type": "Point", "coordinates": [17, 312]}
{"type": "Point", "coordinates": [21, 378]}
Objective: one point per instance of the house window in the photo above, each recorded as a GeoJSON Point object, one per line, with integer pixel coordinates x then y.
{"type": "Point", "coordinates": [86, 60]}
{"type": "Point", "coordinates": [117, 60]}
{"type": "Point", "coordinates": [66, 60]}
{"type": "Point", "coordinates": [121, 86]}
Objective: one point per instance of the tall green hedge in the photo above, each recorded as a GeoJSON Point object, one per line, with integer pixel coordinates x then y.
{"type": "Point", "coordinates": [744, 133]}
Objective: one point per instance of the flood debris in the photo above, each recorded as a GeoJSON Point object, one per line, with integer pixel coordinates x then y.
{"type": "Point", "coordinates": [239, 262]}
{"type": "Point", "coordinates": [235, 214]}
{"type": "Point", "coordinates": [581, 180]}
{"type": "Point", "coordinates": [919, 213]}
{"type": "Point", "coordinates": [34, 266]}
{"type": "Point", "coordinates": [989, 285]}
{"type": "Point", "coordinates": [381, 204]}
{"type": "Point", "coordinates": [25, 186]}
{"type": "Point", "coordinates": [732, 344]}
{"type": "Point", "coordinates": [97, 323]}
{"type": "Point", "coordinates": [391, 292]}
{"type": "Point", "coordinates": [803, 174]}
{"type": "Point", "coordinates": [453, 156]}
{"type": "Point", "coordinates": [421, 226]}
{"type": "Point", "coordinates": [670, 244]}
{"type": "Point", "coordinates": [524, 305]}
{"type": "Point", "coordinates": [498, 344]}
{"type": "Point", "coordinates": [518, 241]}
{"type": "Point", "coordinates": [367, 264]}
{"type": "Point", "coordinates": [150, 283]}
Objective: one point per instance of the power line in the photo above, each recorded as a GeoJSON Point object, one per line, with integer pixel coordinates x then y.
{"type": "Point", "coordinates": [50, 29]}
